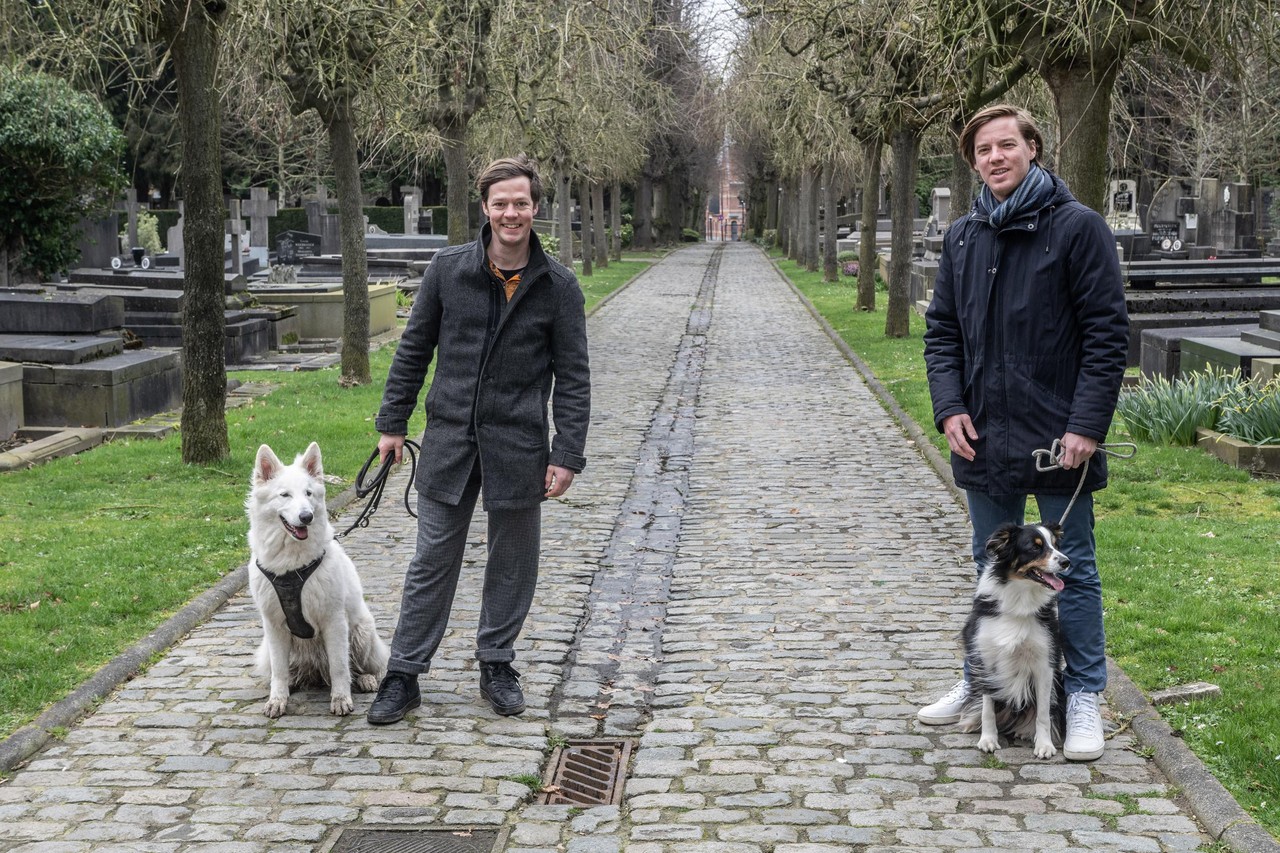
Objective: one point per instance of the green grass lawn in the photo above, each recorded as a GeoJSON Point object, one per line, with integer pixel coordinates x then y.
{"type": "Point", "coordinates": [98, 549]}
{"type": "Point", "coordinates": [1188, 554]}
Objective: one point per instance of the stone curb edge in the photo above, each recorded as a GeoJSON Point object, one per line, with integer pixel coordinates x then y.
{"type": "Point", "coordinates": [1211, 803]}
{"type": "Point", "coordinates": [29, 739]}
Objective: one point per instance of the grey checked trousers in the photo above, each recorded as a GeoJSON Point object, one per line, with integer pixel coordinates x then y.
{"type": "Point", "coordinates": [510, 576]}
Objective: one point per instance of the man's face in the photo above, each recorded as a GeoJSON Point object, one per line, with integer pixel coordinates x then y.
{"type": "Point", "coordinates": [1001, 156]}
{"type": "Point", "coordinates": [510, 209]}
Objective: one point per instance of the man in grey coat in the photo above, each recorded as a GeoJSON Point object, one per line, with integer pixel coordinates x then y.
{"type": "Point", "coordinates": [506, 327]}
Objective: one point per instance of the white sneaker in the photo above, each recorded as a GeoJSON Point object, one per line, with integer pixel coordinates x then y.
{"type": "Point", "coordinates": [947, 709]}
{"type": "Point", "coordinates": [1084, 740]}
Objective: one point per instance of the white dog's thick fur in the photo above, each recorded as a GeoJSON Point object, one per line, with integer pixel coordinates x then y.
{"type": "Point", "coordinates": [288, 531]}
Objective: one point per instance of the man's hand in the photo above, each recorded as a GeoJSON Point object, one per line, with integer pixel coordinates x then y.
{"type": "Point", "coordinates": [1076, 450]}
{"type": "Point", "coordinates": [390, 444]}
{"type": "Point", "coordinates": [558, 481]}
{"type": "Point", "coordinates": [959, 432]}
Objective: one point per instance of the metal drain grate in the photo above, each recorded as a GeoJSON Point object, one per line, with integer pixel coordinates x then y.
{"type": "Point", "coordinates": [588, 773]}
{"type": "Point", "coordinates": [357, 839]}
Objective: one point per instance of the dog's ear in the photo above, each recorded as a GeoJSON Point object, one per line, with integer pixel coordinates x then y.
{"type": "Point", "coordinates": [1002, 541]}
{"type": "Point", "coordinates": [1055, 530]}
{"type": "Point", "coordinates": [266, 466]}
{"type": "Point", "coordinates": [311, 461]}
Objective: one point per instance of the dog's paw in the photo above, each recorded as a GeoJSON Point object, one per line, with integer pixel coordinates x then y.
{"type": "Point", "coordinates": [367, 683]}
{"type": "Point", "coordinates": [341, 705]}
{"type": "Point", "coordinates": [275, 706]}
{"type": "Point", "coordinates": [1045, 749]}
{"type": "Point", "coordinates": [988, 744]}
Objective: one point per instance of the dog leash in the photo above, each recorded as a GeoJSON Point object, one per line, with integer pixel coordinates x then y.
{"type": "Point", "coordinates": [1051, 460]}
{"type": "Point", "coordinates": [373, 491]}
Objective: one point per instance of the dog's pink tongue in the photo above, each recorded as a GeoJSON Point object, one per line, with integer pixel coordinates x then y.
{"type": "Point", "coordinates": [1053, 581]}
{"type": "Point", "coordinates": [301, 533]}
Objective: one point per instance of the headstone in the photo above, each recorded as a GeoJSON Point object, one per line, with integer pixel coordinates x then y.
{"type": "Point", "coordinates": [129, 205]}
{"type": "Point", "coordinates": [260, 208]}
{"type": "Point", "coordinates": [939, 211]}
{"type": "Point", "coordinates": [412, 208]}
{"type": "Point", "coordinates": [235, 228]}
{"type": "Point", "coordinates": [174, 240]}
{"type": "Point", "coordinates": [1121, 210]}
{"type": "Point", "coordinates": [320, 221]}
{"type": "Point", "coordinates": [293, 246]}
{"type": "Point", "coordinates": [1166, 235]}
{"type": "Point", "coordinates": [99, 240]}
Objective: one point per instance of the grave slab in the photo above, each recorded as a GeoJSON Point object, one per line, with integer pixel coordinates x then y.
{"type": "Point", "coordinates": [59, 313]}
{"type": "Point", "coordinates": [1224, 354]}
{"type": "Point", "coordinates": [62, 443]}
{"type": "Point", "coordinates": [1139, 324]}
{"type": "Point", "coordinates": [108, 392]}
{"type": "Point", "coordinates": [1161, 352]}
{"type": "Point", "coordinates": [320, 306]}
{"type": "Point", "coordinates": [10, 398]}
{"type": "Point", "coordinates": [58, 349]}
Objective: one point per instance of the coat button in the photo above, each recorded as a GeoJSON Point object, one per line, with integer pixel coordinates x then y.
{"type": "Point", "coordinates": [1031, 226]}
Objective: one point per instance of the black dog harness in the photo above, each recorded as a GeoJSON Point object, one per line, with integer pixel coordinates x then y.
{"type": "Point", "coordinates": [288, 586]}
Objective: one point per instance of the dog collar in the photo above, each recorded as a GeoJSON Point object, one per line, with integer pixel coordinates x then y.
{"type": "Point", "coordinates": [288, 587]}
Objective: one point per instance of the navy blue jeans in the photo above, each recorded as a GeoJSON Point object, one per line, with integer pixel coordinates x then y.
{"type": "Point", "coordinates": [1080, 602]}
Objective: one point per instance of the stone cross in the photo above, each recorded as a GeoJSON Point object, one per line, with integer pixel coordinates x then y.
{"type": "Point", "coordinates": [129, 204]}
{"type": "Point", "coordinates": [412, 208]}
{"type": "Point", "coordinates": [235, 227]}
{"type": "Point", "coordinates": [260, 208]}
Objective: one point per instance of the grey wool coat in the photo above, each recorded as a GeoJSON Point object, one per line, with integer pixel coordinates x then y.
{"type": "Point", "coordinates": [497, 365]}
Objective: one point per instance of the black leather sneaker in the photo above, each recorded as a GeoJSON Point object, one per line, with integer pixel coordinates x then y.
{"type": "Point", "coordinates": [398, 694]}
{"type": "Point", "coordinates": [500, 686]}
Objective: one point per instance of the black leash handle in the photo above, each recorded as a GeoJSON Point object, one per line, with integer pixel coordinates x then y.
{"type": "Point", "coordinates": [374, 490]}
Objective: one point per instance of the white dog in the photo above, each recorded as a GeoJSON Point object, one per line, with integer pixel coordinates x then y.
{"type": "Point", "coordinates": [317, 629]}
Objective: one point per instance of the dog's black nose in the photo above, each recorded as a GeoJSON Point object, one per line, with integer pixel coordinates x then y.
{"type": "Point", "coordinates": [305, 516]}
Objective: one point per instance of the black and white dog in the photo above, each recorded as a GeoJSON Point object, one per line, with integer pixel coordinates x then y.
{"type": "Point", "coordinates": [1011, 641]}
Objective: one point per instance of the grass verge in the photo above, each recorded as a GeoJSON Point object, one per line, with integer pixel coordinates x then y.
{"type": "Point", "coordinates": [1187, 552]}
{"type": "Point", "coordinates": [98, 549]}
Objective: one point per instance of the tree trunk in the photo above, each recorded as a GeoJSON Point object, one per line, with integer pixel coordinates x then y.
{"type": "Point", "coordinates": [642, 219]}
{"type": "Point", "coordinates": [796, 203]}
{"type": "Point", "coordinates": [193, 35]}
{"type": "Point", "coordinates": [811, 246]}
{"type": "Point", "coordinates": [830, 269]}
{"type": "Point", "coordinates": [458, 184]}
{"type": "Point", "coordinates": [564, 216]}
{"type": "Point", "coordinates": [355, 261]}
{"type": "Point", "coordinates": [615, 217]}
{"type": "Point", "coordinates": [867, 240]}
{"type": "Point", "coordinates": [584, 226]}
{"type": "Point", "coordinates": [771, 202]}
{"type": "Point", "coordinates": [905, 142]}
{"type": "Point", "coordinates": [597, 221]}
{"type": "Point", "coordinates": [1083, 103]}
{"type": "Point", "coordinates": [781, 237]}
{"type": "Point", "coordinates": [961, 175]}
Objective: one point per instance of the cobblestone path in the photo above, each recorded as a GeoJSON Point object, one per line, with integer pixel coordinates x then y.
{"type": "Point", "coordinates": [757, 577]}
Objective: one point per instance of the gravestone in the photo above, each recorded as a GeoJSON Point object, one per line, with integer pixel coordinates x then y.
{"type": "Point", "coordinates": [293, 246]}
{"type": "Point", "coordinates": [939, 212]}
{"type": "Point", "coordinates": [412, 208]}
{"type": "Point", "coordinates": [235, 227]}
{"type": "Point", "coordinates": [174, 241]}
{"type": "Point", "coordinates": [260, 208]}
{"type": "Point", "coordinates": [320, 221]}
{"type": "Point", "coordinates": [1121, 209]}
{"type": "Point", "coordinates": [129, 205]}
{"type": "Point", "coordinates": [11, 413]}
{"type": "Point", "coordinates": [99, 240]}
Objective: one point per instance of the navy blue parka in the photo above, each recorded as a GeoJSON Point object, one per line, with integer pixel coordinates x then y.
{"type": "Point", "coordinates": [1027, 333]}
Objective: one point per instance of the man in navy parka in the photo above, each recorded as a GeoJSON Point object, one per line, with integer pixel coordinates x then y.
{"type": "Point", "coordinates": [1026, 342]}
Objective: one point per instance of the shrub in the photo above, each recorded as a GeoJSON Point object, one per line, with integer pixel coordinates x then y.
{"type": "Point", "coordinates": [550, 244]}
{"type": "Point", "coordinates": [688, 235]}
{"type": "Point", "coordinates": [148, 233]}
{"type": "Point", "coordinates": [1170, 412]}
{"type": "Point", "coordinates": [61, 160]}
{"type": "Point", "coordinates": [1253, 414]}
